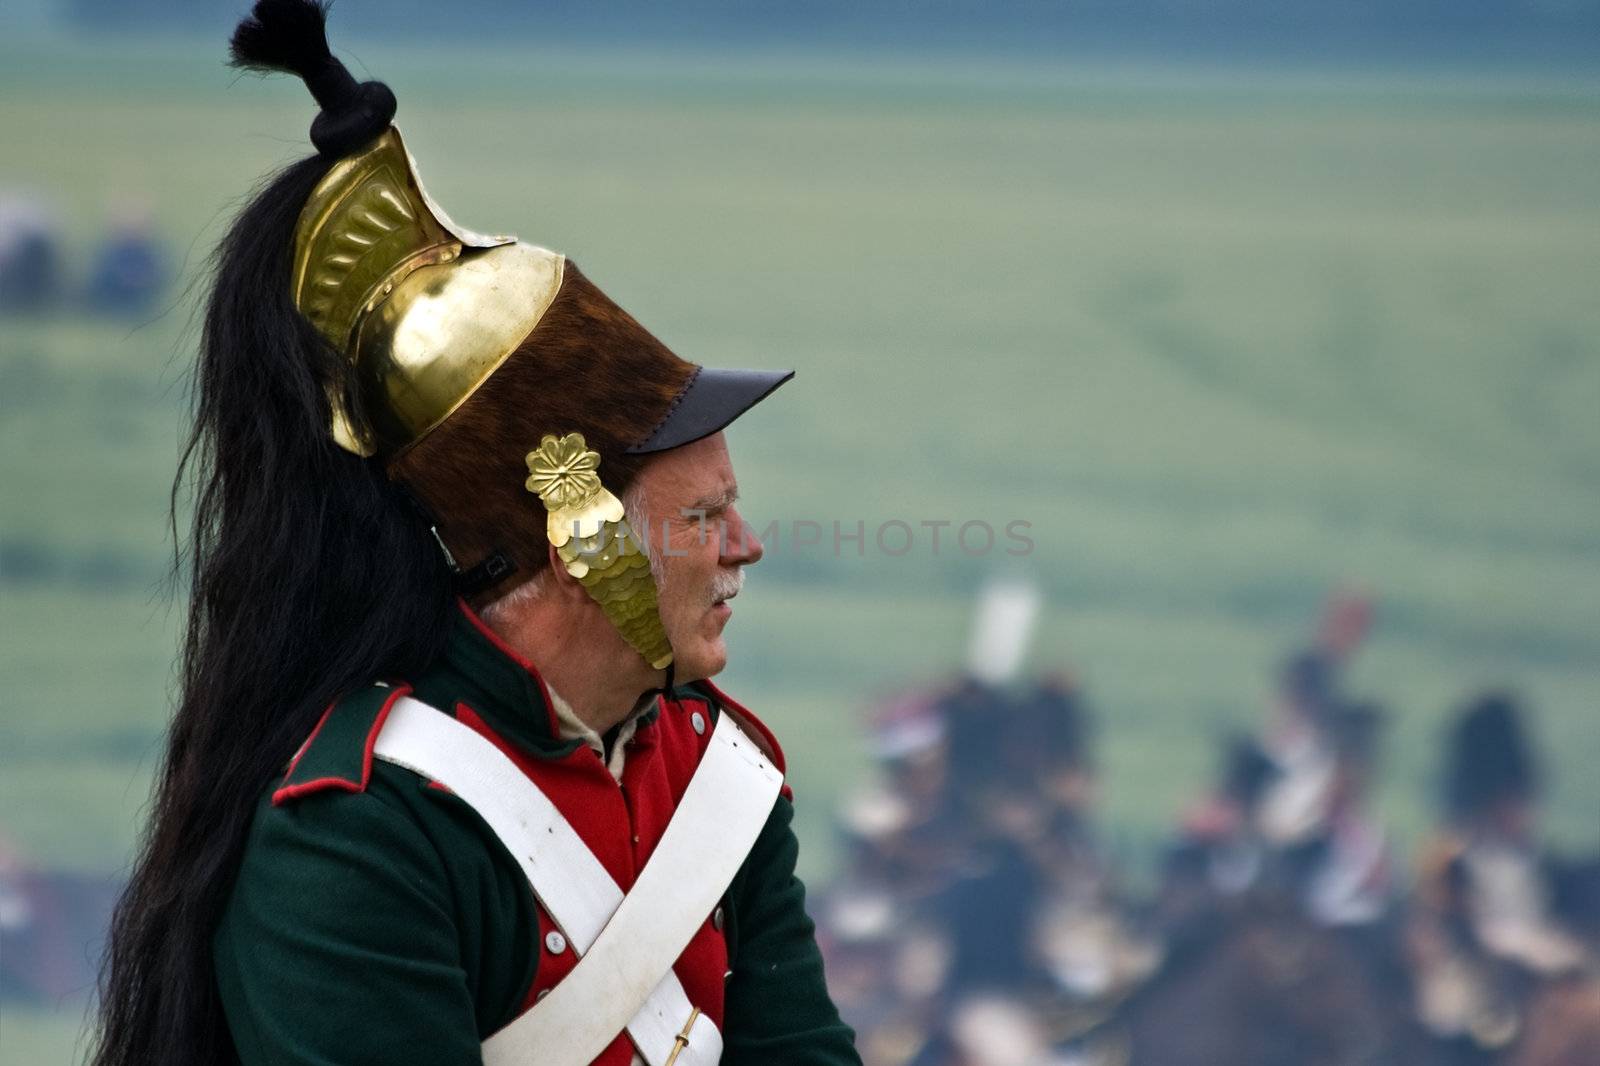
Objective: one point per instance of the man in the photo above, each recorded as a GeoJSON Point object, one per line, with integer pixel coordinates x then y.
{"type": "Point", "coordinates": [1299, 737]}
{"type": "Point", "coordinates": [448, 782]}
{"type": "Point", "coordinates": [1347, 872]}
{"type": "Point", "coordinates": [1484, 931]}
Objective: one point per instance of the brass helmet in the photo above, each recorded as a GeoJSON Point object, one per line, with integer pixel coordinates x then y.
{"type": "Point", "coordinates": [481, 368]}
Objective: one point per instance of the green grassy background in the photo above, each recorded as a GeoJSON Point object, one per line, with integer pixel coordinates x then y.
{"type": "Point", "coordinates": [1225, 340]}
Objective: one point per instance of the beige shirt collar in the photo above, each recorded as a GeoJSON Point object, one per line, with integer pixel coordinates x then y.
{"type": "Point", "coordinates": [574, 728]}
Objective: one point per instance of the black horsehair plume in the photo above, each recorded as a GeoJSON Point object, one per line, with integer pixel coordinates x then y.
{"type": "Point", "coordinates": [287, 36]}
{"type": "Point", "coordinates": [309, 578]}
{"type": "Point", "coordinates": [291, 37]}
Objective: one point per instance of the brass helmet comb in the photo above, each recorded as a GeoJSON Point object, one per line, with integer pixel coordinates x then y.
{"type": "Point", "coordinates": [424, 309]}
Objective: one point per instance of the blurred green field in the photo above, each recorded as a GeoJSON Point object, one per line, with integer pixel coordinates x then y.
{"type": "Point", "coordinates": [1226, 342]}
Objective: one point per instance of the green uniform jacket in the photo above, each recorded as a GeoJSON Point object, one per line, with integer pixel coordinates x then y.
{"type": "Point", "coordinates": [377, 919]}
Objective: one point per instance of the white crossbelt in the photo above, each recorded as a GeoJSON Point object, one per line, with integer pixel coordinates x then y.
{"type": "Point", "coordinates": [627, 943]}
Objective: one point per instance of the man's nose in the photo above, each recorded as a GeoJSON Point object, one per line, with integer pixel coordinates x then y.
{"type": "Point", "coordinates": [740, 544]}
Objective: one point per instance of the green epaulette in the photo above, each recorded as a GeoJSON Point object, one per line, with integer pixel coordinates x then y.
{"type": "Point", "coordinates": [338, 753]}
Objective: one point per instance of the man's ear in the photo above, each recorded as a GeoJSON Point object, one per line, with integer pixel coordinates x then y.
{"type": "Point", "coordinates": [562, 583]}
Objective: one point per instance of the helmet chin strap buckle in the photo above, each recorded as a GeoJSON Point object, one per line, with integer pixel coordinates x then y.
{"type": "Point", "coordinates": [488, 573]}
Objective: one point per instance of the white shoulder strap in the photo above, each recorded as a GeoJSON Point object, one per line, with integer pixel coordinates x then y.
{"type": "Point", "coordinates": [624, 977]}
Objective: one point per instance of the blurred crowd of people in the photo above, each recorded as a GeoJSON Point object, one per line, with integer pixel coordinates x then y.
{"type": "Point", "coordinates": [980, 920]}
{"type": "Point", "coordinates": [127, 272]}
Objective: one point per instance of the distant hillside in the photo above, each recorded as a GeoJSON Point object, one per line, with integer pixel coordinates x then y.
{"type": "Point", "coordinates": [1520, 32]}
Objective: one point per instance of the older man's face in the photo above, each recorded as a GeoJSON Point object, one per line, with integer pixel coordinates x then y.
{"type": "Point", "coordinates": [699, 543]}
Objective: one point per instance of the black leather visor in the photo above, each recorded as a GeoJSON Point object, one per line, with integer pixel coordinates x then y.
{"type": "Point", "coordinates": [711, 400]}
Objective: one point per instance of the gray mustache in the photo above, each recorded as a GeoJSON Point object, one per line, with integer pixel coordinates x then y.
{"type": "Point", "coordinates": [726, 584]}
